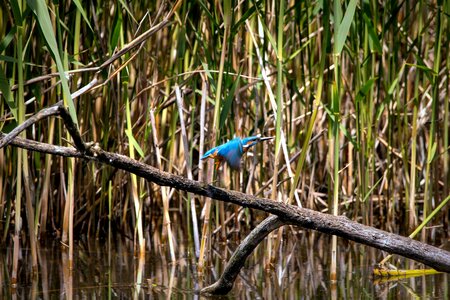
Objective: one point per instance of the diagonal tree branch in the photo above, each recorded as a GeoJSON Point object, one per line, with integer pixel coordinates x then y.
{"type": "Point", "coordinates": [337, 225]}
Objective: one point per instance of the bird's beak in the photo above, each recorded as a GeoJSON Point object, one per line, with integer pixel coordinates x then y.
{"type": "Point", "coordinates": [267, 138]}
{"type": "Point", "coordinates": [260, 139]}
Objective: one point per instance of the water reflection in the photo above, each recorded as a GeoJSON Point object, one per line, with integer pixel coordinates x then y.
{"type": "Point", "coordinates": [300, 270]}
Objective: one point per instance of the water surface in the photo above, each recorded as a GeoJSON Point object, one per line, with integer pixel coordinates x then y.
{"type": "Point", "coordinates": [299, 271]}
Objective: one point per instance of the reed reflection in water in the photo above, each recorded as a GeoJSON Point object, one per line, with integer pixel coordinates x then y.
{"type": "Point", "coordinates": [300, 270]}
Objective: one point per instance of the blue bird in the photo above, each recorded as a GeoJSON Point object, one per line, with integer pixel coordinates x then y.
{"type": "Point", "coordinates": [232, 151]}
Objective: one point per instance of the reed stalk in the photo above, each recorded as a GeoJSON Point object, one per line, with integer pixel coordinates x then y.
{"type": "Point", "coordinates": [206, 232]}
{"type": "Point", "coordinates": [432, 140]}
{"type": "Point", "coordinates": [412, 173]}
{"type": "Point", "coordinates": [20, 104]}
{"type": "Point", "coordinates": [28, 186]}
{"type": "Point", "coordinates": [137, 200]}
{"type": "Point", "coordinates": [278, 128]}
{"type": "Point", "coordinates": [42, 209]}
{"type": "Point", "coordinates": [342, 25]}
{"type": "Point", "coordinates": [279, 97]}
{"type": "Point", "coordinates": [445, 135]}
{"type": "Point", "coordinates": [191, 198]}
{"type": "Point", "coordinates": [227, 14]}
{"type": "Point", "coordinates": [164, 190]}
{"type": "Point", "coordinates": [334, 131]}
{"type": "Point", "coordinates": [316, 102]}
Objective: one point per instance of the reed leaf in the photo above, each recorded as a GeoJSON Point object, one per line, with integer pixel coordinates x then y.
{"type": "Point", "coordinates": [40, 10]}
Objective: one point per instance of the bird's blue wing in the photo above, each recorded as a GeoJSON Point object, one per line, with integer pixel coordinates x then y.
{"type": "Point", "coordinates": [232, 153]}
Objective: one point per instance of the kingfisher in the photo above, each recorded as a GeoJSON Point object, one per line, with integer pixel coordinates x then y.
{"type": "Point", "coordinates": [232, 151]}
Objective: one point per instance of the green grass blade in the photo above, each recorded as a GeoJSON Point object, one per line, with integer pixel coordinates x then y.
{"type": "Point", "coordinates": [344, 27]}
{"type": "Point", "coordinates": [6, 92]}
{"type": "Point", "coordinates": [375, 44]}
{"type": "Point", "coordinates": [83, 13]}
{"type": "Point", "coordinates": [127, 8]}
{"type": "Point", "coordinates": [247, 15]}
{"type": "Point", "coordinates": [228, 101]}
{"type": "Point", "coordinates": [7, 39]}
{"type": "Point", "coordinates": [39, 8]}
{"type": "Point", "coordinates": [135, 143]}
{"type": "Point", "coordinates": [394, 83]}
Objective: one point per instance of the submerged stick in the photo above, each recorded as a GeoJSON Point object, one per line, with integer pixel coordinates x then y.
{"type": "Point", "coordinates": [237, 260]}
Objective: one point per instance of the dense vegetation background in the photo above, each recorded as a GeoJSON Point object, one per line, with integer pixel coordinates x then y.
{"type": "Point", "coordinates": [355, 93]}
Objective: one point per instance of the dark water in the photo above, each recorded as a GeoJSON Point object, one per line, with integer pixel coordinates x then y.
{"type": "Point", "coordinates": [300, 270]}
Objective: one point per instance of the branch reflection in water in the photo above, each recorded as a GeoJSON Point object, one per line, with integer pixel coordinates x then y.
{"type": "Point", "coordinates": [301, 269]}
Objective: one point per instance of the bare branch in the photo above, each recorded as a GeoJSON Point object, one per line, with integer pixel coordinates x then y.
{"type": "Point", "coordinates": [338, 225]}
{"type": "Point", "coordinates": [43, 147]}
{"type": "Point", "coordinates": [47, 112]}
{"type": "Point", "coordinates": [287, 214]}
